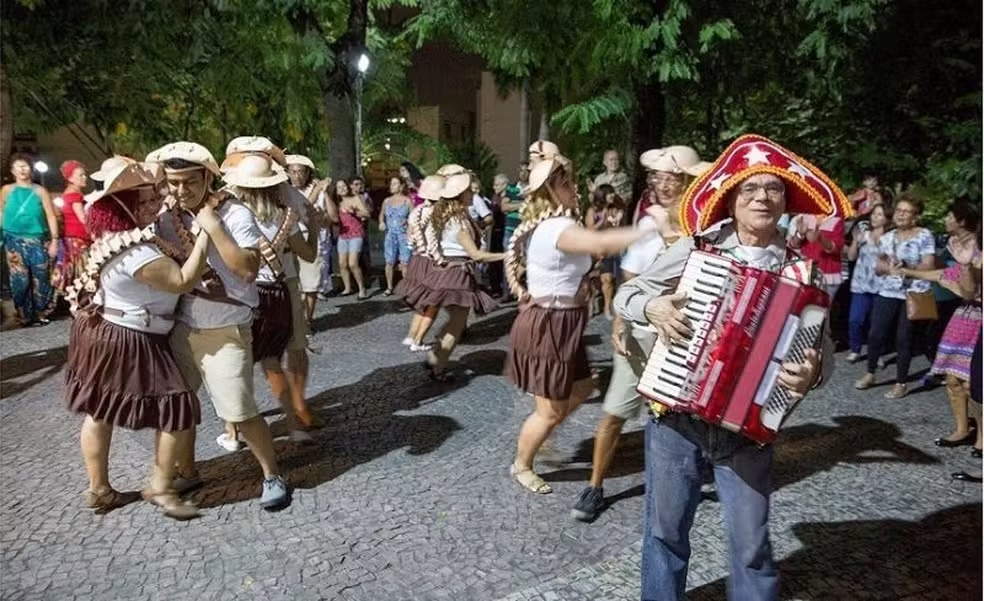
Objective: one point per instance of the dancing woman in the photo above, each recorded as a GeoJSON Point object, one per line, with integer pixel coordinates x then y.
{"type": "Point", "coordinates": [120, 368]}
{"type": "Point", "coordinates": [451, 282]}
{"type": "Point", "coordinates": [547, 355]}
{"type": "Point", "coordinates": [413, 286]}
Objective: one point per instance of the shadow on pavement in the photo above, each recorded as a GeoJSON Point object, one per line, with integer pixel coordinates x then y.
{"type": "Point", "coordinates": [352, 312]}
{"type": "Point", "coordinates": [39, 366]}
{"type": "Point", "coordinates": [364, 423]}
{"type": "Point", "coordinates": [490, 329]}
{"type": "Point", "coordinates": [801, 451]}
{"type": "Point", "coordinates": [938, 557]}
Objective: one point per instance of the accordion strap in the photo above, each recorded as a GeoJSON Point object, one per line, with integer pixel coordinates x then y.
{"type": "Point", "coordinates": [269, 249]}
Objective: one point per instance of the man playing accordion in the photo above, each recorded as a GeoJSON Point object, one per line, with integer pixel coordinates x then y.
{"type": "Point", "coordinates": [731, 209]}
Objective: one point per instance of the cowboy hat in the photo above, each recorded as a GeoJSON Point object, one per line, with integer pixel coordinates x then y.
{"type": "Point", "coordinates": [808, 190]}
{"type": "Point", "coordinates": [542, 171]}
{"type": "Point", "coordinates": [455, 184]}
{"type": "Point", "coordinates": [673, 159]}
{"type": "Point", "coordinates": [110, 166]}
{"type": "Point", "coordinates": [255, 171]}
{"type": "Point", "coordinates": [542, 150]}
{"type": "Point", "coordinates": [300, 159]}
{"type": "Point", "coordinates": [451, 169]}
{"type": "Point", "coordinates": [126, 177]}
{"type": "Point", "coordinates": [255, 144]}
{"type": "Point", "coordinates": [431, 187]}
{"type": "Point", "coordinates": [185, 151]}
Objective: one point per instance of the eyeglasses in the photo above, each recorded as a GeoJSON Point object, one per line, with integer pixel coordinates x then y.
{"type": "Point", "coordinates": [772, 190]}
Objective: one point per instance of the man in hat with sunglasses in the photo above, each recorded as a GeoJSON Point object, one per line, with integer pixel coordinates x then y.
{"type": "Point", "coordinates": [732, 209]}
{"type": "Point", "coordinates": [212, 338]}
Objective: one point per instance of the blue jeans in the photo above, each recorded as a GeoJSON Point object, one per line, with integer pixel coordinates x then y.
{"type": "Point", "coordinates": [857, 332]}
{"type": "Point", "coordinates": [677, 447]}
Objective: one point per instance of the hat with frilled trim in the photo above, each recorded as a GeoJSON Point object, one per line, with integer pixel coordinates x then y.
{"type": "Point", "coordinates": [808, 190]}
{"type": "Point", "coordinates": [430, 187]}
{"type": "Point", "coordinates": [245, 145]}
{"type": "Point", "coordinates": [189, 152]}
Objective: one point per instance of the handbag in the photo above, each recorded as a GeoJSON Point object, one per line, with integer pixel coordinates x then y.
{"type": "Point", "coordinates": [921, 306]}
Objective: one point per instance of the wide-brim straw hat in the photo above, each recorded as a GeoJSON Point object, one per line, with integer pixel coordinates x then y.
{"type": "Point", "coordinates": [126, 177]}
{"type": "Point", "coordinates": [542, 150]}
{"type": "Point", "coordinates": [111, 166]}
{"type": "Point", "coordinates": [431, 187]}
{"type": "Point", "coordinates": [300, 159]}
{"type": "Point", "coordinates": [674, 159]}
{"type": "Point", "coordinates": [186, 151]}
{"type": "Point", "coordinates": [808, 189]}
{"type": "Point", "coordinates": [256, 144]}
{"type": "Point", "coordinates": [455, 185]}
{"type": "Point", "coordinates": [542, 171]}
{"type": "Point", "coordinates": [450, 169]}
{"type": "Point", "coordinates": [255, 171]}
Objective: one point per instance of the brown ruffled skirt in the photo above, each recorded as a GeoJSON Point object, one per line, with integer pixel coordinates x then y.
{"type": "Point", "coordinates": [413, 286]}
{"type": "Point", "coordinates": [126, 378]}
{"type": "Point", "coordinates": [454, 285]}
{"type": "Point", "coordinates": [547, 352]}
{"type": "Point", "coordinates": [272, 323]}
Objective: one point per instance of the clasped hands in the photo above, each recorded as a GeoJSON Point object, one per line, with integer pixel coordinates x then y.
{"type": "Point", "coordinates": [672, 326]}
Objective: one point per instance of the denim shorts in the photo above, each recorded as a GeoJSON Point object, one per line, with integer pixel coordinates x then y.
{"type": "Point", "coordinates": [349, 246]}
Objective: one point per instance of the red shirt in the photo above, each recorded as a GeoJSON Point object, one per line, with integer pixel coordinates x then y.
{"type": "Point", "coordinates": [73, 227]}
{"type": "Point", "coordinates": [829, 263]}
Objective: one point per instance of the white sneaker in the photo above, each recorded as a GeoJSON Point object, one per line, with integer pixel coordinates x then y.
{"type": "Point", "coordinates": [416, 348]}
{"type": "Point", "coordinates": [300, 436]}
{"type": "Point", "coordinates": [228, 443]}
{"type": "Point", "coordinates": [853, 357]}
{"type": "Point", "coordinates": [408, 341]}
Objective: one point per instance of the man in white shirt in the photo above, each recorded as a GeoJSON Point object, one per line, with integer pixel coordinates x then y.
{"type": "Point", "coordinates": [211, 340]}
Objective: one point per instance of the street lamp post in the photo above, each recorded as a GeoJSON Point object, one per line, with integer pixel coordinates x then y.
{"type": "Point", "coordinates": [361, 66]}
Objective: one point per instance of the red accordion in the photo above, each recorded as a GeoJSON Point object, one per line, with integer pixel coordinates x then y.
{"type": "Point", "coordinates": [747, 322]}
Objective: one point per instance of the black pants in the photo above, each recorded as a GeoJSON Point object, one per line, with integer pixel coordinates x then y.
{"type": "Point", "coordinates": [887, 315]}
{"type": "Point", "coordinates": [496, 273]}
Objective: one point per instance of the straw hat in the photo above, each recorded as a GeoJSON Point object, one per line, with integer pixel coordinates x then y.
{"type": "Point", "coordinates": [542, 150]}
{"type": "Point", "coordinates": [431, 187]}
{"type": "Point", "coordinates": [255, 144]}
{"type": "Point", "coordinates": [255, 171]}
{"type": "Point", "coordinates": [111, 166]}
{"type": "Point", "coordinates": [455, 185]}
{"type": "Point", "coordinates": [808, 190]}
{"type": "Point", "coordinates": [126, 177]}
{"type": "Point", "coordinates": [300, 159]}
{"type": "Point", "coordinates": [186, 151]}
{"type": "Point", "coordinates": [542, 171]}
{"type": "Point", "coordinates": [674, 159]}
{"type": "Point", "coordinates": [451, 169]}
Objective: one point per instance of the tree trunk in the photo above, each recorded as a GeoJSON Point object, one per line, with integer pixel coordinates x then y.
{"type": "Point", "coordinates": [6, 117]}
{"type": "Point", "coordinates": [544, 124]}
{"type": "Point", "coordinates": [648, 126]}
{"type": "Point", "coordinates": [341, 141]}
{"type": "Point", "coordinates": [524, 120]}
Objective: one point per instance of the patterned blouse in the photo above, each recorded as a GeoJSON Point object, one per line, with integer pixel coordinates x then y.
{"type": "Point", "coordinates": [865, 280]}
{"type": "Point", "coordinates": [910, 252]}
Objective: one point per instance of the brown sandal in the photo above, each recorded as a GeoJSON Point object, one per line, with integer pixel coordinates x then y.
{"type": "Point", "coordinates": [110, 500]}
{"type": "Point", "coordinates": [171, 503]}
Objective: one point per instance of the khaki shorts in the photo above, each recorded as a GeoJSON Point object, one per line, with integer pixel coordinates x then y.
{"type": "Point", "coordinates": [299, 328]}
{"type": "Point", "coordinates": [310, 274]}
{"type": "Point", "coordinates": [621, 399]}
{"type": "Point", "coordinates": [222, 359]}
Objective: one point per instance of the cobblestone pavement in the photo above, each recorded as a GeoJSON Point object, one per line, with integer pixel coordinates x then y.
{"type": "Point", "coordinates": [406, 494]}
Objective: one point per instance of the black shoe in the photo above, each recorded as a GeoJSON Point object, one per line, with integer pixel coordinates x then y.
{"type": "Point", "coordinates": [965, 477]}
{"type": "Point", "coordinates": [589, 504]}
{"type": "Point", "coordinates": [960, 442]}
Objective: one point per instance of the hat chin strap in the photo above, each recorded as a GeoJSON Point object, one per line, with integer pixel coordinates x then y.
{"type": "Point", "coordinates": [125, 210]}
